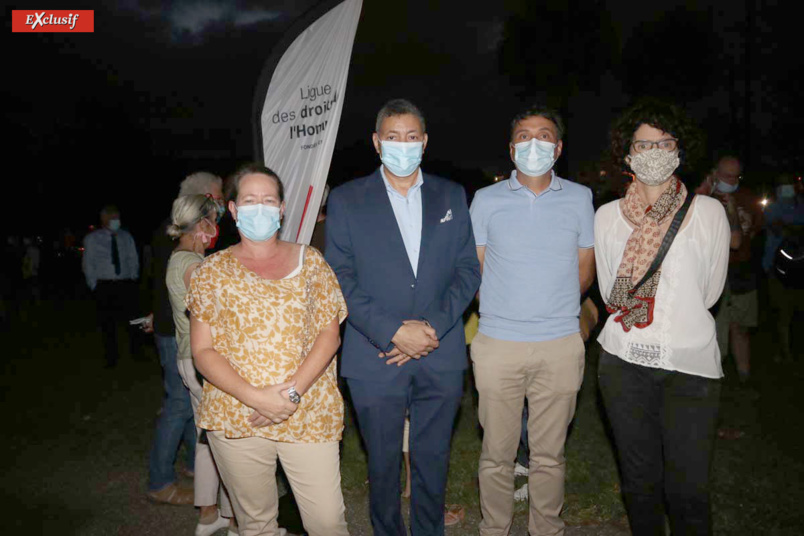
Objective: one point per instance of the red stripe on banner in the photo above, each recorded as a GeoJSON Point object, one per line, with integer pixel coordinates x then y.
{"type": "Point", "coordinates": [304, 212]}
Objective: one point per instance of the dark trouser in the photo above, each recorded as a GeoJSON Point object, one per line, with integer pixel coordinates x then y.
{"type": "Point", "coordinates": [523, 451]}
{"type": "Point", "coordinates": [433, 398]}
{"type": "Point", "coordinates": [664, 427]}
{"type": "Point", "coordinates": [116, 303]}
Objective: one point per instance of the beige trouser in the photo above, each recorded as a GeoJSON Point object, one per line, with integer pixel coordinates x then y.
{"type": "Point", "coordinates": [549, 374]}
{"type": "Point", "coordinates": [206, 483]}
{"type": "Point", "coordinates": [248, 468]}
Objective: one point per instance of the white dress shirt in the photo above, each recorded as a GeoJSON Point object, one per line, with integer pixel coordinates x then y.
{"type": "Point", "coordinates": [408, 213]}
{"type": "Point", "coordinates": [682, 335]}
{"type": "Point", "coordinates": [97, 259]}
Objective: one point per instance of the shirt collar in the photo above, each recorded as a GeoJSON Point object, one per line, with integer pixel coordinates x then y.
{"type": "Point", "coordinates": [555, 182]}
{"type": "Point", "coordinates": [391, 189]}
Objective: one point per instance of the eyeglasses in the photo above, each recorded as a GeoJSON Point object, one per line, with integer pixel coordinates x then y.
{"type": "Point", "coordinates": [640, 146]}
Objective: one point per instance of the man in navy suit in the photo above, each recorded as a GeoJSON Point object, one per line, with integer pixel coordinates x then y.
{"type": "Point", "coordinates": [401, 244]}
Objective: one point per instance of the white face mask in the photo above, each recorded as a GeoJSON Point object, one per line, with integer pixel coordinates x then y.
{"type": "Point", "coordinates": [655, 166]}
{"type": "Point", "coordinates": [534, 157]}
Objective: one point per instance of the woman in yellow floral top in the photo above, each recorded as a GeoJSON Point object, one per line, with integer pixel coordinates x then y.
{"type": "Point", "coordinates": [264, 329]}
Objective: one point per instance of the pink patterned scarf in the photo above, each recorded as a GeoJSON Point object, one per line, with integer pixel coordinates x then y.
{"type": "Point", "coordinates": [635, 309]}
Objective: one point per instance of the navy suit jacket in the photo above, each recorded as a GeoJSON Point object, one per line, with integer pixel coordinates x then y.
{"type": "Point", "coordinates": [366, 251]}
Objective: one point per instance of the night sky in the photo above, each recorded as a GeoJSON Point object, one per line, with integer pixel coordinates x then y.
{"type": "Point", "coordinates": [161, 89]}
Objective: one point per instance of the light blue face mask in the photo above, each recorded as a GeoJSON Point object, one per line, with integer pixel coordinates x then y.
{"type": "Point", "coordinates": [258, 223]}
{"type": "Point", "coordinates": [726, 188]}
{"type": "Point", "coordinates": [534, 157]}
{"type": "Point", "coordinates": [786, 191]}
{"type": "Point", "coordinates": [114, 225]}
{"type": "Point", "coordinates": [401, 158]}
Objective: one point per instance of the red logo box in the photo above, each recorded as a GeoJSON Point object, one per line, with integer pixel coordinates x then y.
{"type": "Point", "coordinates": [52, 21]}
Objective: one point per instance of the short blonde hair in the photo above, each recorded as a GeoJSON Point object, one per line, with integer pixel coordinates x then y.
{"type": "Point", "coordinates": [187, 211]}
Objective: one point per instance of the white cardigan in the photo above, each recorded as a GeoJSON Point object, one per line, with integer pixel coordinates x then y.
{"type": "Point", "coordinates": [682, 335]}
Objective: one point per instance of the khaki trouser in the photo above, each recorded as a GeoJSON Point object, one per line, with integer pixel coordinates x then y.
{"type": "Point", "coordinates": [549, 374]}
{"type": "Point", "coordinates": [248, 468]}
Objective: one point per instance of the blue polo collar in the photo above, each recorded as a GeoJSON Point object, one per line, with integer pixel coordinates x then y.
{"type": "Point", "coordinates": [555, 182]}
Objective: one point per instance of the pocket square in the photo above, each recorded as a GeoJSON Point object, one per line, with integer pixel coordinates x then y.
{"type": "Point", "coordinates": [447, 217]}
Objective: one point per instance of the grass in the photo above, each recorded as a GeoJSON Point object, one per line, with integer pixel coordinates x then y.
{"type": "Point", "coordinates": [592, 492]}
{"type": "Point", "coordinates": [74, 459]}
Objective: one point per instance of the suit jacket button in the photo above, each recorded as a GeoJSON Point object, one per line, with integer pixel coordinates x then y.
{"type": "Point", "coordinates": [413, 286]}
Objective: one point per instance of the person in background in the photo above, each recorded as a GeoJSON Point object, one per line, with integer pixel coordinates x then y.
{"type": "Point", "coordinates": [739, 306]}
{"type": "Point", "coordinates": [659, 371]}
{"type": "Point", "coordinates": [400, 241]}
{"type": "Point", "coordinates": [111, 267]}
{"type": "Point", "coordinates": [784, 219]}
{"type": "Point", "coordinates": [319, 240]}
{"type": "Point", "coordinates": [264, 328]}
{"type": "Point", "coordinates": [175, 423]}
{"type": "Point", "coordinates": [194, 226]}
{"type": "Point", "coordinates": [536, 251]}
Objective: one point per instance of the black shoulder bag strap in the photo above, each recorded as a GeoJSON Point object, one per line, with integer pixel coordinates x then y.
{"type": "Point", "coordinates": [669, 236]}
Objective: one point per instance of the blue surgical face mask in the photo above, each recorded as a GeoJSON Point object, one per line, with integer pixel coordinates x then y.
{"type": "Point", "coordinates": [786, 191]}
{"type": "Point", "coordinates": [726, 188]}
{"type": "Point", "coordinates": [534, 157]}
{"type": "Point", "coordinates": [114, 225]}
{"type": "Point", "coordinates": [258, 223]}
{"type": "Point", "coordinates": [401, 158]}
{"type": "Point", "coordinates": [220, 208]}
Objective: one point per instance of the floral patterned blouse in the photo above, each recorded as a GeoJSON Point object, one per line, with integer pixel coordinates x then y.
{"type": "Point", "coordinates": [265, 328]}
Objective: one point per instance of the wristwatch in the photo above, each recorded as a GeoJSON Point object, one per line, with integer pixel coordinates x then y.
{"type": "Point", "coordinates": [294, 396]}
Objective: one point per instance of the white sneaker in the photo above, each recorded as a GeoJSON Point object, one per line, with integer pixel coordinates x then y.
{"type": "Point", "coordinates": [521, 494]}
{"type": "Point", "coordinates": [520, 470]}
{"type": "Point", "coordinates": [212, 528]}
{"type": "Point", "coordinates": [282, 532]}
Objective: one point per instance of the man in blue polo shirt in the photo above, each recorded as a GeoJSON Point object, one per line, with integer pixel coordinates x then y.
{"type": "Point", "coordinates": [535, 242]}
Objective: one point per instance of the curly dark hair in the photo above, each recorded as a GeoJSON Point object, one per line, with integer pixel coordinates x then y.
{"type": "Point", "coordinates": [662, 115]}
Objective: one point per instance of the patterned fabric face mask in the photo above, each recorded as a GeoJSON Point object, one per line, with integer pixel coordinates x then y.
{"type": "Point", "coordinates": [655, 166]}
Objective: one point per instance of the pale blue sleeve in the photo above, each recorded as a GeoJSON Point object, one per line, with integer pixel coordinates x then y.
{"type": "Point", "coordinates": [479, 215]}
{"type": "Point", "coordinates": [586, 234]}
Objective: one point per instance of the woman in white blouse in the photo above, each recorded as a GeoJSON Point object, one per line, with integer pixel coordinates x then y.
{"type": "Point", "coordinates": [660, 364]}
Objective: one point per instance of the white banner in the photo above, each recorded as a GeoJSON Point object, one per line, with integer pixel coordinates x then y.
{"type": "Point", "coordinates": [301, 110]}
